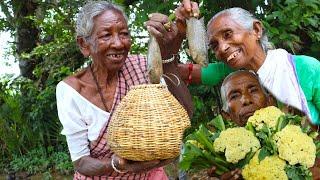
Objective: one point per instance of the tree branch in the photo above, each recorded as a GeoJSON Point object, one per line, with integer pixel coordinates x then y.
{"type": "Point", "coordinates": [5, 10]}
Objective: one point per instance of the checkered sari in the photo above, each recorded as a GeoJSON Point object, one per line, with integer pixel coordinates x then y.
{"type": "Point", "coordinates": [132, 73]}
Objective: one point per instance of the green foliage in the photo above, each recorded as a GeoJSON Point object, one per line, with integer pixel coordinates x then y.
{"type": "Point", "coordinates": [41, 160]}
{"type": "Point", "coordinates": [206, 105]}
{"type": "Point", "coordinates": [62, 163]}
{"type": "Point", "coordinates": [293, 25]}
{"type": "Point", "coordinates": [34, 161]}
{"type": "Point", "coordinates": [298, 172]}
{"type": "Point", "coordinates": [198, 152]}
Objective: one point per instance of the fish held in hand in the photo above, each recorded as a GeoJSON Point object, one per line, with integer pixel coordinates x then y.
{"type": "Point", "coordinates": [197, 40]}
{"type": "Point", "coordinates": [154, 61]}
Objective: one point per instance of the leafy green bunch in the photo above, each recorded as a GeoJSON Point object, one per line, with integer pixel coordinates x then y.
{"type": "Point", "coordinates": [199, 151]}
{"type": "Point", "coordinates": [272, 145]}
{"type": "Point", "coordinates": [285, 137]}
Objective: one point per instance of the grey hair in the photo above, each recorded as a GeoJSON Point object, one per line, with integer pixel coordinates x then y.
{"type": "Point", "coordinates": [246, 19]}
{"type": "Point", "coordinates": [90, 10]}
{"type": "Point", "coordinates": [223, 92]}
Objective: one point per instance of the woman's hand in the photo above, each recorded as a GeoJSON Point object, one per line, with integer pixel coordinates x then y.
{"type": "Point", "coordinates": [316, 170]}
{"type": "Point", "coordinates": [231, 175]}
{"type": "Point", "coordinates": [137, 166]}
{"type": "Point", "coordinates": [185, 10]}
{"type": "Point", "coordinates": [166, 35]}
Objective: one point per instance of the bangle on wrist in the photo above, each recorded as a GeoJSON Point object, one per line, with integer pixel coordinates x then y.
{"type": "Point", "coordinates": [115, 169]}
{"type": "Point", "coordinates": [190, 68]}
{"type": "Point", "coordinates": [165, 61]}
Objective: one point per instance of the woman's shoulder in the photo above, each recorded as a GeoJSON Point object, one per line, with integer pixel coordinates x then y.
{"type": "Point", "coordinates": [306, 61]}
{"type": "Point", "coordinates": [307, 64]}
{"type": "Point", "coordinates": [75, 80]}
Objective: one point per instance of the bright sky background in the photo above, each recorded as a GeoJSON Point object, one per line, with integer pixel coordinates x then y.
{"type": "Point", "coordinates": [7, 64]}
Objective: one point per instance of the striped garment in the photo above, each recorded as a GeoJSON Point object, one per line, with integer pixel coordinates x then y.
{"type": "Point", "coordinates": [132, 73]}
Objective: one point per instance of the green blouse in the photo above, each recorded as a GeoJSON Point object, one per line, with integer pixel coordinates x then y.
{"type": "Point", "coordinates": [308, 72]}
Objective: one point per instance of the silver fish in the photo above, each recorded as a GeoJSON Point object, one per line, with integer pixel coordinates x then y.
{"type": "Point", "coordinates": [197, 40]}
{"type": "Point", "coordinates": [154, 61]}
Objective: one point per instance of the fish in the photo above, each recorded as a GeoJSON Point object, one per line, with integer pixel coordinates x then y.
{"type": "Point", "coordinates": [154, 61]}
{"type": "Point", "coordinates": [197, 41]}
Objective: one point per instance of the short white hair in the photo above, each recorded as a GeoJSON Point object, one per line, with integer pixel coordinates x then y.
{"type": "Point", "coordinates": [90, 10]}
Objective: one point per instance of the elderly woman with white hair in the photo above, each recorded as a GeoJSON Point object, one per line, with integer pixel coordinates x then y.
{"type": "Point", "coordinates": [238, 39]}
{"type": "Point", "coordinates": [87, 99]}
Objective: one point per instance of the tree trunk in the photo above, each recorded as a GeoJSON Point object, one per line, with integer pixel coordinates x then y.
{"type": "Point", "coordinates": [27, 34]}
{"type": "Point", "coordinates": [24, 30]}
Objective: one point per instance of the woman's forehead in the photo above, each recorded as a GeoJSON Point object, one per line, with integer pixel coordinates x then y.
{"type": "Point", "coordinates": [242, 78]}
{"type": "Point", "coordinates": [223, 22]}
{"type": "Point", "coordinates": [110, 15]}
{"type": "Point", "coordinates": [109, 18]}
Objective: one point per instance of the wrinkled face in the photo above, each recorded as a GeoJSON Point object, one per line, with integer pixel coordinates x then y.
{"type": "Point", "coordinates": [231, 42]}
{"type": "Point", "coordinates": [244, 95]}
{"type": "Point", "coordinates": [110, 40]}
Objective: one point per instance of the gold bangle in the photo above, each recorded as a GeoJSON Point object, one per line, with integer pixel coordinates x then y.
{"type": "Point", "coordinates": [115, 169]}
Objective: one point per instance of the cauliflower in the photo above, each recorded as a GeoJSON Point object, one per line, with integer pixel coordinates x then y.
{"type": "Point", "coordinates": [270, 168]}
{"type": "Point", "coordinates": [236, 142]}
{"type": "Point", "coordinates": [295, 146]}
{"type": "Point", "coordinates": [268, 116]}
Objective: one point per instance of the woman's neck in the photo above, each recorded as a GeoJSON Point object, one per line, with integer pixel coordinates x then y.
{"type": "Point", "coordinates": [257, 60]}
{"type": "Point", "coordinates": [104, 76]}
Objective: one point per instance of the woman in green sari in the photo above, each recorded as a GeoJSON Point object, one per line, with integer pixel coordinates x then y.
{"type": "Point", "coordinates": [238, 39]}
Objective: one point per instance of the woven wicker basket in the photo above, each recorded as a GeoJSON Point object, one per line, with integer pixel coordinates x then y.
{"type": "Point", "coordinates": [148, 124]}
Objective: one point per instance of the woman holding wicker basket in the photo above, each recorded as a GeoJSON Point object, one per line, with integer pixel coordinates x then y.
{"type": "Point", "coordinates": [86, 100]}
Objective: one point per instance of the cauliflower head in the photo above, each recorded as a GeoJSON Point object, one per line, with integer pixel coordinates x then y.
{"type": "Point", "coordinates": [268, 116]}
{"type": "Point", "coordinates": [236, 143]}
{"type": "Point", "coordinates": [295, 146]}
{"type": "Point", "coordinates": [270, 168]}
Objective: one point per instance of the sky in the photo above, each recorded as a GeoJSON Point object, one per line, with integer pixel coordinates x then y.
{"type": "Point", "coordinates": [7, 64]}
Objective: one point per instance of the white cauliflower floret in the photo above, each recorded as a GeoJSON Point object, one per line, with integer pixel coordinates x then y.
{"type": "Point", "coordinates": [295, 146]}
{"type": "Point", "coordinates": [268, 116]}
{"type": "Point", "coordinates": [236, 143]}
{"type": "Point", "coordinates": [270, 168]}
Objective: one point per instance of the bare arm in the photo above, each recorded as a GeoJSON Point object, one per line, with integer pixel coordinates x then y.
{"type": "Point", "coordinates": [92, 167]}
{"type": "Point", "coordinates": [185, 72]}
{"type": "Point", "coordinates": [169, 42]}
{"type": "Point", "coordinates": [178, 87]}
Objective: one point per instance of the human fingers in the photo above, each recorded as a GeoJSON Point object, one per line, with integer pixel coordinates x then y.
{"type": "Point", "coordinates": [187, 5]}
{"type": "Point", "coordinates": [211, 171]}
{"type": "Point", "coordinates": [156, 32]}
{"type": "Point", "coordinates": [237, 175]}
{"type": "Point", "coordinates": [195, 9]}
{"type": "Point", "coordinates": [172, 28]}
{"type": "Point", "coordinates": [158, 17]}
{"type": "Point", "coordinates": [181, 13]}
{"type": "Point", "coordinates": [231, 175]}
{"type": "Point", "coordinates": [119, 162]}
{"type": "Point", "coordinates": [157, 25]}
